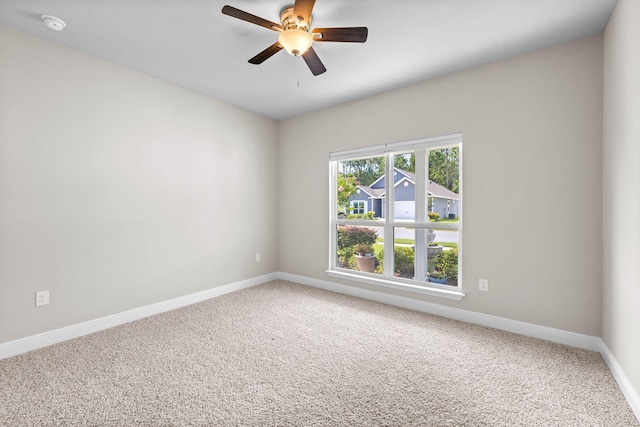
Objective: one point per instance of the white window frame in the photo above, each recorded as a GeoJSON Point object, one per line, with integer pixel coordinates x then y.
{"type": "Point", "coordinates": [364, 206]}
{"type": "Point", "coordinates": [388, 223]}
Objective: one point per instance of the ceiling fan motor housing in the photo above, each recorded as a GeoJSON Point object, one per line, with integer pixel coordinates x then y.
{"type": "Point", "coordinates": [289, 21]}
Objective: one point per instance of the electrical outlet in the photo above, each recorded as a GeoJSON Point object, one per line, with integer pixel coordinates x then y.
{"type": "Point", "coordinates": [257, 257]}
{"type": "Point", "coordinates": [484, 285]}
{"type": "Point", "coordinates": [42, 298]}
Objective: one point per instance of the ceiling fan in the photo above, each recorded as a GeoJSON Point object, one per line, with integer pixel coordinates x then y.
{"type": "Point", "coordinates": [296, 36]}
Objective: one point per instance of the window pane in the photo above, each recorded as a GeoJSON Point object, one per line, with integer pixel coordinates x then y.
{"type": "Point", "coordinates": [358, 207]}
{"type": "Point", "coordinates": [443, 261]}
{"type": "Point", "coordinates": [404, 186]}
{"type": "Point", "coordinates": [426, 255]}
{"type": "Point", "coordinates": [440, 192]}
{"type": "Point", "coordinates": [358, 249]}
{"type": "Point", "coordinates": [360, 187]}
{"type": "Point", "coordinates": [404, 240]}
{"type": "Point", "coordinates": [444, 183]}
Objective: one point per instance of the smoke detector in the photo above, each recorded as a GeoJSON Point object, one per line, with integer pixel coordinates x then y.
{"type": "Point", "coordinates": [54, 23]}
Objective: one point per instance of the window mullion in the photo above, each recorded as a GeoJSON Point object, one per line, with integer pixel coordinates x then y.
{"type": "Point", "coordinates": [388, 216]}
{"type": "Point", "coordinates": [421, 214]}
{"type": "Point", "coordinates": [333, 213]}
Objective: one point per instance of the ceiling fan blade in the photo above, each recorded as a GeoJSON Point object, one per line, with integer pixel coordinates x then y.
{"type": "Point", "coordinates": [348, 34]}
{"type": "Point", "coordinates": [303, 8]}
{"type": "Point", "coordinates": [266, 54]}
{"type": "Point", "coordinates": [245, 16]}
{"type": "Point", "coordinates": [315, 65]}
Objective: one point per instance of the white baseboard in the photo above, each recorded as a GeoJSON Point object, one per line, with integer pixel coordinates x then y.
{"type": "Point", "coordinates": [550, 334]}
{"type": "Point", "coordinates": [44, 339]}
{"type": "Point", "coordinates": [625, 385]}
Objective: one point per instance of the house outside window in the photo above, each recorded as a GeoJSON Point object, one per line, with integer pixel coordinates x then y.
{"type": "Point", "coordinates": [413, 241]}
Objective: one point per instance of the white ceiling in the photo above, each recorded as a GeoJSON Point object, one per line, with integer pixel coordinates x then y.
{"type": "Point", "coordinates": [192, 44]}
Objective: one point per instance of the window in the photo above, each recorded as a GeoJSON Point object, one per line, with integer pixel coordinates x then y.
{"type": "Point", "coordinates": [358, 207]}
{"type": "Point", "coordinates": [406, 202]}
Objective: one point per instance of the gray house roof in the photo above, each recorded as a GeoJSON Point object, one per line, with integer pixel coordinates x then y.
{"type": "Point", "coordinates": [376, 193]}
{"type": "Point", "coordinates": [435, 189]}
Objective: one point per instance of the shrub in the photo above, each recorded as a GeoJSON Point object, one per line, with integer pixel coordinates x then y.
{"type": "Point", "coordinates": [437, 275]}
{"type": "Point", "coordinates": [379, 262]}
{"type": "Point", "coordinates": [363, 249]}
{"type": "Point", "coordinates": [447, 263]}
{"type": "Point", "coordinates": [369, 215]}
{"type": "Point", "coordinates": [346, 258]}
{"type": "Point", "coordinates": [349, 236]}
{"type": "Point", "coordinates": [433, 216]}
{"type": "Point", "coordinates": [404, 261]}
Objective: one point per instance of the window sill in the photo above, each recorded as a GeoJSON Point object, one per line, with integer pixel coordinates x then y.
{"type": "Point", "coordinates": [431, 291]}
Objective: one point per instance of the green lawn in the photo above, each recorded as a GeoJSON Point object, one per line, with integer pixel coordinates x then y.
{"type": "Point", "coordinates": [377, 249]}
{"type": "Point", "coordinates": [380, 242]}
{"type": "Point", "coordinates": [447, 244]}
{"type": "Point", "coordinates": [450, 221]}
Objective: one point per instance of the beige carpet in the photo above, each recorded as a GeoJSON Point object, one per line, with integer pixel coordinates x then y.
{"type": "Point", "coordinates": [289, 355]}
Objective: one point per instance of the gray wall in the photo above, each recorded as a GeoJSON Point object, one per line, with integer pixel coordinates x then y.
{"type": "Point", "coordinates": [115, 189]}
{"type": "Point", "coordinates": [621, 189]}
{"type": "Point", "coordinates": [532, 127]}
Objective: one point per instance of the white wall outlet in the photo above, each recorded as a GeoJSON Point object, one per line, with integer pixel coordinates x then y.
{"type": "Point", "coordinates": [42, 298]}
{"type": "Point", "coordinates": [483, 284]}
{"type": "Point", "coordinates": [257, 257]}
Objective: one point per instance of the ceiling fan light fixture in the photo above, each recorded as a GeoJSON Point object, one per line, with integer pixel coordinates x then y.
{"type": "Point", "coordinates": [295, 41]}
{"type": "Point", "coordinates": [296, 35]}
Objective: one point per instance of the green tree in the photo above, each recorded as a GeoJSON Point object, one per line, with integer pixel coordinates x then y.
{"type": "Point", "coordinates": [406, 161]}
{"type": "Point", "coordinates": [347, 186]}
{"type": "Point", "coordinates": [366, 171]}
{"type": "Point", "coordinates": [444, 167]}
